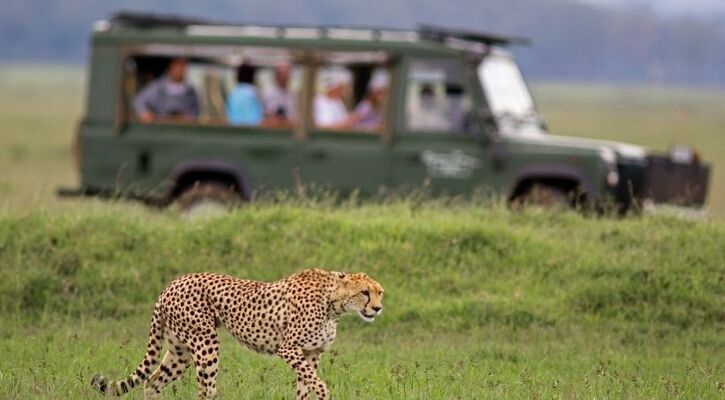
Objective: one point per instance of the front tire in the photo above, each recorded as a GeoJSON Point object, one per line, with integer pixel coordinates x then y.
{"type": "Point", "coordinates": [545, 196]}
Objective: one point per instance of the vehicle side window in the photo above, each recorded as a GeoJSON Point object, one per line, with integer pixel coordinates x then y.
{"type": "Point", "coordinates": [436, 99]}
{"type": "Point", "coordinates": [230, 86]}
{"type": "Point", "coordinates": [351, 94]}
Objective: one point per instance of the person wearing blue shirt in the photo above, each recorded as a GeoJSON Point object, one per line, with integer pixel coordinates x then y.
{"type": "Point", "coordinates": [243, 105]}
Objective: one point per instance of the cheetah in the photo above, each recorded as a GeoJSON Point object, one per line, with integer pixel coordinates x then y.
{"type": "Point", "coordinates": [295, 318]}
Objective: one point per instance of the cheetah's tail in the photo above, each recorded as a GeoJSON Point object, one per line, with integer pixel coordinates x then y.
{"type": "Point", "coordinates": [144, 370]}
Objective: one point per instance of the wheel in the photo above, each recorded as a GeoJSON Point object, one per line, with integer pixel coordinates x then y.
{"type": "Point", "coordinates": [208, 199]}
{"type": "Point", "coordinates": [545, 196]}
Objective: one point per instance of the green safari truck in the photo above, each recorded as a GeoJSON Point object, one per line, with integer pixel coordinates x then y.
{"type": "Point", "coordinates": [374, 111]}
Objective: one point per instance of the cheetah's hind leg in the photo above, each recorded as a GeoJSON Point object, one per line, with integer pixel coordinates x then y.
{"type": "Point", "coordinates": [175, 362]}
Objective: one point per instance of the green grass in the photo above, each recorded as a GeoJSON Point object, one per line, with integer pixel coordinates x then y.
{"type": "Point", "coordinates": [480, 303]}
{"type": "Point", "coordinates": [39, 108]}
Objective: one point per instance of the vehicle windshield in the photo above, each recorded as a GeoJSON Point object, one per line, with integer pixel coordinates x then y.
{"type": "Point", "coordinates": [508, 96]}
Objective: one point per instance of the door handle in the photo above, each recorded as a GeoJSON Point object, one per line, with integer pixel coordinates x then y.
{"type": "Point", "coordinates": [318, 155]}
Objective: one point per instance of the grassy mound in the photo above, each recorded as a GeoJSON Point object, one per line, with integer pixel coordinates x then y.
{"type": "Point", "coordinates": [537, 297]}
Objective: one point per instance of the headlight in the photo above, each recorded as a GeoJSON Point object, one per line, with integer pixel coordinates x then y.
{"type": "Point", "coordinates": [612, 178]}
{"type": "Point", "coordinates": [610, 157]}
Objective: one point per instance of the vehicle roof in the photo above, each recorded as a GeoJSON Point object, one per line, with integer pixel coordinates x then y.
{"type": "Point", "coordinates": [131, 28]}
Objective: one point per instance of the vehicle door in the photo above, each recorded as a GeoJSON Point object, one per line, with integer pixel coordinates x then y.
{"type": "Point", "coordinates": [436, 146]}
{"type": "Point", "coordinates": [344, 150]}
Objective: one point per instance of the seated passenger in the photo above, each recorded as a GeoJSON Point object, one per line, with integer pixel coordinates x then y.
{"type": "Point", "coordinates": [429, 113]}
{"type": "Point", "coordinates": [279, 102]}
{"type": "Point", "coordinates": [243, 105]}
{"type": "Point", "coordinates": [369, 112]}
{"type": "Point", "coordinates": [457, 113]}
{"type": "Point", "coordinates": [329, 107]}
{"type": "Point", "coordinates": [168, 96]}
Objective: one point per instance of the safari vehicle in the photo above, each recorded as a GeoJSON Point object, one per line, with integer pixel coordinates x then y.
{"type": "Point", "coordinates": [456, 117]}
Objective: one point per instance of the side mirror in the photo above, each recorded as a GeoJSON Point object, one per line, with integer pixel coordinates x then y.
{"type": "Point", "coordinates": [543, 125]}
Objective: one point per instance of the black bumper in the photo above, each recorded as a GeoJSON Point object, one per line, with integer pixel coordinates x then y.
{"type": "Point", "coordinates": [676, 183]}
{"type": "Point", "coordinates": [663, 181]}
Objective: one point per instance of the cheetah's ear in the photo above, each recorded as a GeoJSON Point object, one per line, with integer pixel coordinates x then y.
{"type": "Point", "coordinates": [340, 275]}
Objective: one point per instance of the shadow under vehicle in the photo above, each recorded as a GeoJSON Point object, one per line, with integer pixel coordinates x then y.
{"type": "Point", "coordinates": [457, 117]}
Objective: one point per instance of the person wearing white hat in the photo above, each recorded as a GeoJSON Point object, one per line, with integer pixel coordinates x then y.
{"type": "Point", "coordinates": [329, 107]}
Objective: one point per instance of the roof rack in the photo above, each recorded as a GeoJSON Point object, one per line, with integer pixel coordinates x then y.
{"type": "Point", "coordinates": [200, 26]}
{"type": "Point", "coordinates": [146, 20]}
{"type": "Point", "coordinates": [441, 34]}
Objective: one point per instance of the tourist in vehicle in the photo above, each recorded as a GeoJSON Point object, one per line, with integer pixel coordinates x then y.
{"type": "Point", "coordinates": [368, 114]}
{"type": "Point", "coordinates": [279, 102]}
{"type": "Point", "coordinates": [329, 107]}
{"type": "Point", "coordinates": [429, 112]}
{"type": "Point", "coordinates": [243, 104]}
{"type": "Point", "coordinates": [168, 96]}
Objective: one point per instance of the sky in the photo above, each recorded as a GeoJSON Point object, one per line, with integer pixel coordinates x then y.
{"type": "Point", "coordinates": [671, 7]}
{"type": "Point", "coordinates": [571, 41]}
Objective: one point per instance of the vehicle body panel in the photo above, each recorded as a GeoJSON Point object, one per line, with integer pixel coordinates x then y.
{"type": "Point", "coordinates": [344, 161]}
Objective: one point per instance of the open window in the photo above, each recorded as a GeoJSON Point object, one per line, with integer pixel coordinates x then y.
{"type": "Point", "coordinates": [351, 92]}
{"type": "Point", "coordinates": [218, 85]}
{"type": "Point", "coordinates": [437, 101]}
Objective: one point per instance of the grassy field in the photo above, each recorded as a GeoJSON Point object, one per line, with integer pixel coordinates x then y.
{"type": "Point", "coordinates": [39, 108]}
{"type": "Point", "coordinates": [481, 302]}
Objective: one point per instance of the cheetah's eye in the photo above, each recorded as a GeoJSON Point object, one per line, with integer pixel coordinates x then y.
{"type": "Point", "coordinates": [366, 293]}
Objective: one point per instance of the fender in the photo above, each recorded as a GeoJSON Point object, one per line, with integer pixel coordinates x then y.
{"type": "Point", "coordinates": [238, 173]}
{"type": "Point", "coordinates": [557, 171]}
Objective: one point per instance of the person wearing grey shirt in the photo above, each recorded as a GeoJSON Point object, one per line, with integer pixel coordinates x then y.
{"type": "Point", "coordinates": [279, 102]}
{"type": "Point", "coordinates": [168, 96]}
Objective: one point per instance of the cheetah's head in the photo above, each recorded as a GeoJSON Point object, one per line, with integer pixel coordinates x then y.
{"type": "Point", "coordinates": [362, 294]}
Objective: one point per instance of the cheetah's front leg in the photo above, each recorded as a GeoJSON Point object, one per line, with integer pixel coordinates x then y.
{"type": "Point", "coordinates": [313, 358]}
{"type": "Point", "coordinates": [306, 373]}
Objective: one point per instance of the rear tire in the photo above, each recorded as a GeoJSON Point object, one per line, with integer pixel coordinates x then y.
{"type": "Point", "coordinates": [208, 199]}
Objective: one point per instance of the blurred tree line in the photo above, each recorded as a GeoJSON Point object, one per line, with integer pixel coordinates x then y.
{"type": "Point", "coordinates": [572, 40]}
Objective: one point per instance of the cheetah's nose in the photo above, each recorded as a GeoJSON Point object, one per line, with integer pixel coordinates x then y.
{"type": "Point", "coordinates": [377, 309]}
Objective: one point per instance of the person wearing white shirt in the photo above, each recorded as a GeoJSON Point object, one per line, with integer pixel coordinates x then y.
{"type": "Point", "coordinates": [329, 107]}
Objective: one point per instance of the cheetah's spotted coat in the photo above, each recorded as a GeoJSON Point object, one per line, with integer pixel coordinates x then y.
{"type": "Point", "coordinates": [295, 318]}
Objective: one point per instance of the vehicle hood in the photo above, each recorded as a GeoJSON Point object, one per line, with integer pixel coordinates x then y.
{"type": "Point", "coordinates": [622, 150]}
